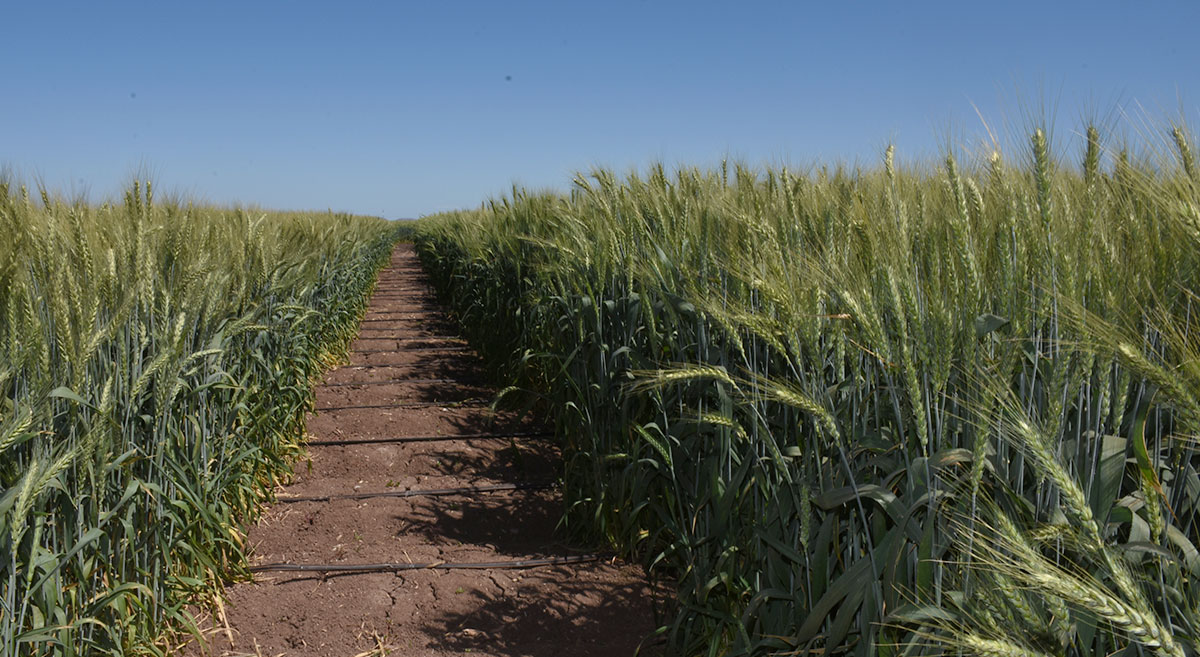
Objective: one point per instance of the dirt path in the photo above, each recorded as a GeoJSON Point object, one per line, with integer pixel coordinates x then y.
{"type": "Point", "coordinates": [409, 376]}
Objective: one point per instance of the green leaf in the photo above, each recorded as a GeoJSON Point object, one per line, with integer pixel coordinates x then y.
{"type": "Point", "coordinates": [925, 564]}
{"type": "Point", "coordinates": [1107, 487]}
{"type": "Point", "coordinates": [987, 323]}
{"type": "Point", "coordinates": [1146, 468]}
{"type": "Point", "coordinates": [856, 578]}
{"type": "Point", "coordinates": [64, 392]}
{"type": "Point", "coordinates": [87, 538]}
{"type": "Point", "coordinates": [1191, 556]}
{"type": "Point", "coordinates": [832, 499]}
{"type": "Point", "coordinates": [911, 613]}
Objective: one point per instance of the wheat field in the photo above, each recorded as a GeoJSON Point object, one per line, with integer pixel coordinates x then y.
{"type": "Point", "coordinates": [156, 360]}
{"type": "Point", "coordinates": [938, 408]}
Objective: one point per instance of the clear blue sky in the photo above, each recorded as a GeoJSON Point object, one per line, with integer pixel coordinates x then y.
{"type": "Point", "coordinates": [402, 109]}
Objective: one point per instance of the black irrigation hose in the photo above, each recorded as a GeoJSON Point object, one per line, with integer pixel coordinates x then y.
{"type": "Point", "coordinates": [427, 319]}
{"type": "Point", "coordinates": [419, 338]}
{"type": "Point", "coordinates": [435, 336]}
{"type": "Point", "coordinates": [423, 315]}
{"type": "Point", "coordinates": [408, 349]}
{"type": "Point", "coordinates": [396, 382]}
{"type": "Point", "coordinates": [403, 319]}
{"type": "Point", "coordinates": [436, 312]}
{"type": "Point", "coordinates": [433, 565]}
{"type": "Point", "coordinates": [472, 402]}
{"type": "Point", "coordinates": [420, 299]}
{"type": "Point", "coordinates": [427, 492]}
{"type": "Point", "coordinates": [430, 439]}
{"type": "Point", "coordinates": [385, 366]}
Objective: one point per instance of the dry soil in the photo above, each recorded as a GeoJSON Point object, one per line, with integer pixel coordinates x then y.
{"type": "Point", "coordinates": [410, 375]}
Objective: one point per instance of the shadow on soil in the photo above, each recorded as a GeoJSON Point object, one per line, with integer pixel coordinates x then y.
{"type": "Point", "coordinates": [582, 619]}
{"type": "Point", "coordinates": [399, 394]}
{"type": "Point", "coordinates": [514, 461]}
{"type": "Point", "coordinates": [516, 525]}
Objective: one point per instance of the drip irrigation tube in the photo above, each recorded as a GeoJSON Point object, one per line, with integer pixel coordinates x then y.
{"type": "Point", "coordinates": [428, 492]}
{"type": "Point", "coordinates": [420, 311]}
{"type": "Point", "coordinates": [407, 329]}
{"type": "Point", "coordinates": [398, 366]}
{"type": "Point", "coordinates": [430, 439]}
{"type": "Point", "coordinates": [423, 301]}
{"type": "Point", "coordinates": [399, 316]}
{"type": "Point", "coordinates": [407, 350]}
{"type": "Point", "coordinates": [472, 402]}
{"type": "Point", "coordinates": [402, 319]}
{"type": "Point", "coordinates": [418, 338]}
{"type": "Point", "coordinates": [433, 565]}
{"type": "Point", "coordinates": [396, 382]}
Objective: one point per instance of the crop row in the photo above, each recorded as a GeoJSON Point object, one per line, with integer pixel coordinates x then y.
{"type": "Point", "coordinates": [156, 361]}
{"type": "Point", "coordinates": [869, 411]}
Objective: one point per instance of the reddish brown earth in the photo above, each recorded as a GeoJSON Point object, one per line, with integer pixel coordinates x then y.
{"type": "Point", "coordinates": [598, 608]}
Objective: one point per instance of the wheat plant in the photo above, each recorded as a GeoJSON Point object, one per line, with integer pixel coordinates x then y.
{"type": "Point", "coordinates": [156, 363]}
{"type": "Point", "coordinates": [911, 409]}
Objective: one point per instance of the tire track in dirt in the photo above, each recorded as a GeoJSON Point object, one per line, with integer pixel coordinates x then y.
{"type": "Point", "coordinates": [591, 609]}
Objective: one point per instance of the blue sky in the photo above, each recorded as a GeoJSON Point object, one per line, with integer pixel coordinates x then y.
{"type": "Point", "coordinates": [403, 109]}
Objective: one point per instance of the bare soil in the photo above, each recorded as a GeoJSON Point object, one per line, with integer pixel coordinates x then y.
{"type": "Point", "coordinates": [410, 375]}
